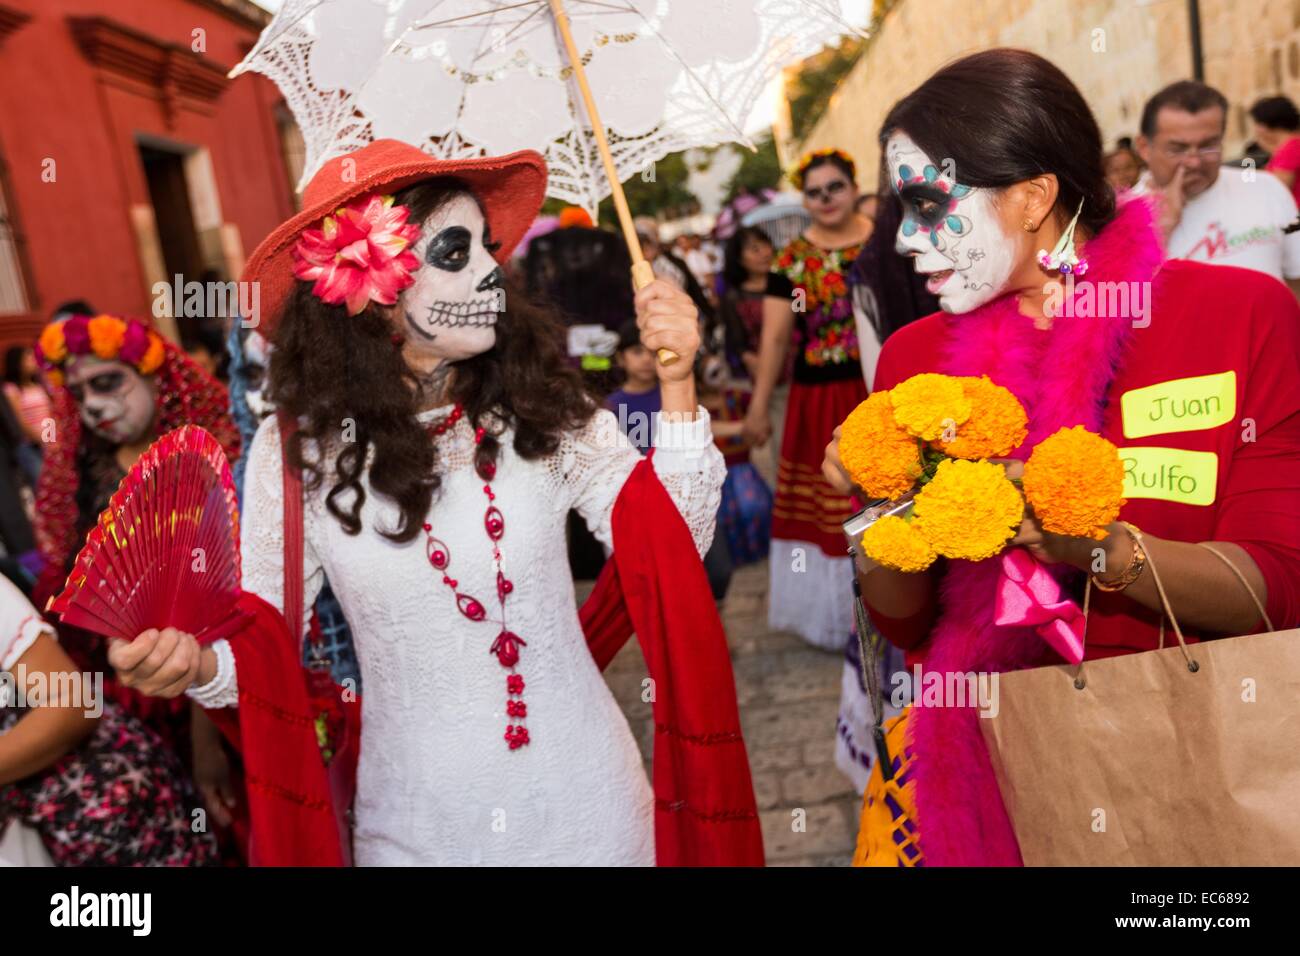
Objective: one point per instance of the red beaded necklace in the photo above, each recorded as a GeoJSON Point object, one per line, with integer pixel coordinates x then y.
{"type": "Point", "coordinates": [506, 646]}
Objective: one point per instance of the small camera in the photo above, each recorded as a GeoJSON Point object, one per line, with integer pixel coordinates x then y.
{"type": "Point", "coordinates": [857, 524]}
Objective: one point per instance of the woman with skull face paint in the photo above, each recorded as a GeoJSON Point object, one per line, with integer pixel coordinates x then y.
{"type": "Point", "coordinates": [441, 439]}
{"type": "Point", "coordinates": [994, 158]}
{"type": "Point", "coordinates": [116, 386]}
{"type": "Point", "coordinates": [808, 568]}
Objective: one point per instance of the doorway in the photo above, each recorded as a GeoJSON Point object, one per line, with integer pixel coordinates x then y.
{"type": "Point", "coordinates": [164, 172]}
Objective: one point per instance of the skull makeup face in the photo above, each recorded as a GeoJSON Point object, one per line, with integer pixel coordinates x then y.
{"type": "Point", "coordinates": [257, 363]}
{"type": "Point", "coordinates": [451, 309]}
{"type": "Point", "coordinates": [116, 401]}
{"type": "Point", "coordinates": [953, 232]}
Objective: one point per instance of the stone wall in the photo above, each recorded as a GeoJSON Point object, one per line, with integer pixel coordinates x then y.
{"type": "Point", "coordinates": [1119, 52]}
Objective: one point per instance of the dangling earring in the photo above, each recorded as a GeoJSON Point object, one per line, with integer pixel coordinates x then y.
{"type": "Point", "coordinates": [1063, 258]}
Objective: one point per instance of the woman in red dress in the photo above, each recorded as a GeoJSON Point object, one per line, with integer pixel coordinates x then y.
{"type": "Point", "coordinates": [1192, 370]}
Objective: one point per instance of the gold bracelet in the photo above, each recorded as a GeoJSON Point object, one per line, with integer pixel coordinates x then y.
{"type": "Point", "coordinates": [1137, 562]}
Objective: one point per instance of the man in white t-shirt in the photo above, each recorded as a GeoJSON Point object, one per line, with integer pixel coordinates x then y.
{"type": "Point", "coordinates": [1211, 213]}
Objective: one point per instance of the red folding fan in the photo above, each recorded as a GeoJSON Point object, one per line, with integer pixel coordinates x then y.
{"type": "Point", "coordinates": [165, 553]}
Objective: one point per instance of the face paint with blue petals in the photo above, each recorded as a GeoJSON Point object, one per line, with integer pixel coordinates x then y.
{"type": "Point", "coordinates": [952, 231]}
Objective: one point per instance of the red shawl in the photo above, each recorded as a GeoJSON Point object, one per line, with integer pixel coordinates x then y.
{"type": "Point", "coordinates": [705, 813]}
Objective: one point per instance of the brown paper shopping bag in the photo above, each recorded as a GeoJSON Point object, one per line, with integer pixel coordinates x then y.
{"type": "Point", "coordinates": [1185, 756]}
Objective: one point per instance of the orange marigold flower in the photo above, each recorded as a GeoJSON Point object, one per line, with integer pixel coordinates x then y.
{"type": "Point", "coordinates": [970, 509]}
{"type": "Point", "coordinates": [1074, 481]}
{"type": "Point", "coordinates": [927, 404]}
{"type": "Point", "coordinates": [106, 335]}
{"type": "Point", "coordinates": [881, 458]}
{"type": "Point", "coordinates": [895, 543]}
{"type": "Point", "coordinates": [52, 343]}
{"type": "Point", "coordinates": [153, 355]}
{"type": "Point", "coordinates": [997, 423]}
{"type": "Point", "coordinates": [54, 378]}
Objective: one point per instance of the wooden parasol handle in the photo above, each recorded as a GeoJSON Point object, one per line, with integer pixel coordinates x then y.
{"type": "Point", "coordinates": [642, 274]}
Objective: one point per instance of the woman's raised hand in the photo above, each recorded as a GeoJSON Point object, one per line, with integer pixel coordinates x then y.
{"type": "Point", "coordinates": [669, 320]}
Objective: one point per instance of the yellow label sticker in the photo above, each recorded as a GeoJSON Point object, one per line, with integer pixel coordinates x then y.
{"type": "Point", "coordinates": [1170, 474]}
{"type": "Point", "coordinates": [1181, 405]}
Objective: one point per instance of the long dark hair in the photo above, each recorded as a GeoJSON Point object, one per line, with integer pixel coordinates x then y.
{"type": "Point", "coordinates": [331, 370]}
{"type": "Point", "coordinates": [885, 285]}
{"type": "Point", "coordinates": [734, 272]}
{"type": "Point", "coordinates": [1004, 116]}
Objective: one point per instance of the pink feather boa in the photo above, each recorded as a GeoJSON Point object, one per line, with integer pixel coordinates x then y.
{"type": "Point", "coordinates": [1062, 377]}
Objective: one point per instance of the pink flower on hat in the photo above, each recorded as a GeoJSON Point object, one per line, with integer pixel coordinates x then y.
{"type": "Point", "coordinates": [360, 254]}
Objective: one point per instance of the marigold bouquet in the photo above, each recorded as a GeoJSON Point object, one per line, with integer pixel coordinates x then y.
{"type": "Point", "coordinates": [930, 438]}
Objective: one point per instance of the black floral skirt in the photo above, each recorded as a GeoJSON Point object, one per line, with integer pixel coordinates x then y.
{"type": "Point", "coordinates": [118, 799]}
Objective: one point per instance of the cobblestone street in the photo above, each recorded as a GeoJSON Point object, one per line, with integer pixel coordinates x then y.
{"type": "Point", "coordinates": [789, 694]}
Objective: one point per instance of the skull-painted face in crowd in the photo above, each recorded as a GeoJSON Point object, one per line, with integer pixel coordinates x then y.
{"type": "Point", "coordinates": [451, 309]}
{"type": "Point", "coordinates": [953, 232]}
{"type": "Point", "coordinates": [116, 402]}
{"type": "Point", "coordinates": [257, 364]}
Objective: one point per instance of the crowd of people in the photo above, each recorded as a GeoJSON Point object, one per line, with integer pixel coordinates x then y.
{"type": "Point", "coordinates": [510, 417]}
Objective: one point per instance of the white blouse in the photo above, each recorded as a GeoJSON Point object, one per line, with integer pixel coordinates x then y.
{"type": "Point", "coordinates": [437, 782]}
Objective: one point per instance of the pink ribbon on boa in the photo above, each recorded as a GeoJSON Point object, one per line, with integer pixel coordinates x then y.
{"type": "Point", "coordinates": [1028, 596]}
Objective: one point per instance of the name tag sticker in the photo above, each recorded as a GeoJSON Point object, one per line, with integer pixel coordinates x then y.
{"type": "Point", "coordinates": [1181, 405]}
{"type": "Point", "coordinates": [1170, 474]}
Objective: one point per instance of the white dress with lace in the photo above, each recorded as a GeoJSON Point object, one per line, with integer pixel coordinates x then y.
{"type": "Point", "coordinates": [437, 782]}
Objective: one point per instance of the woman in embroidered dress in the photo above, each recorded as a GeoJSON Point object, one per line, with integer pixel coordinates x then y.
{"type": "Point", "coordinates": [809, 572]}
{"type": "Point", "coordinates": [1028, 158]}
{"type": "Point", "coordinates": [443, 440]}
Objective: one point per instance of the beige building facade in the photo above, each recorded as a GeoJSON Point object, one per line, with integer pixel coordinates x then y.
{"type": "Point", "coordinates": [1118, 52]}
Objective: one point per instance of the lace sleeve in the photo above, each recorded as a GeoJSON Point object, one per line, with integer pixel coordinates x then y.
{"type": "Point", "coordinates": [262, 528]}
{"type": "Point", "coordinates": [595, 462]}
{"type": "Point", "coordinates": [223, 689]}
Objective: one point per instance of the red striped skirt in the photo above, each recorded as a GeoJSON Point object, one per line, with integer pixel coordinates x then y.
{"type": "Point", "coordinates": [806, 507]}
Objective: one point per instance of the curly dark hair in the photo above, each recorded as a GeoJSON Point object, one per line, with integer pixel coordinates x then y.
{"type": "Point", "coordinates": [328, 369]}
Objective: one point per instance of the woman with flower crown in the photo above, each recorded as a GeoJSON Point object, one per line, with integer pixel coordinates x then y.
{"type": "Point", "coordinates": [1194, 373]}
{"type": "Point", "coordinates": [116, 385]}
{"type": "Point", "coordinates": [430, 441]}
{"type": "Point", "coordinates": [809, 571]}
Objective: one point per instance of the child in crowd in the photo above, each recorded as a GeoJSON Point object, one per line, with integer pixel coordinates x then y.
{"type": "Point", "coordinates": [745, 516]}
{"type": "Point", "coordinates": [636, 402]}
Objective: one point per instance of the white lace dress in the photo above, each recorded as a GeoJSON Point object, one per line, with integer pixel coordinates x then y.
{"type": "Point", "coordinates": [437, 783]}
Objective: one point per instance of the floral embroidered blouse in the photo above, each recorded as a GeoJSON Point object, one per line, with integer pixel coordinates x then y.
{"type": "Point", "coordinates": [826, 338]}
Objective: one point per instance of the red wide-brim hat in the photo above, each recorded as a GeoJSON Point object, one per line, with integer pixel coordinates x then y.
{"type": "Point", "coordinates": [510, 188]}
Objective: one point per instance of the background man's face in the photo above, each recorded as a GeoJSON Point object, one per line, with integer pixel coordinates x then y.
{"type": "Point", "coordinates": [1191, 140]}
